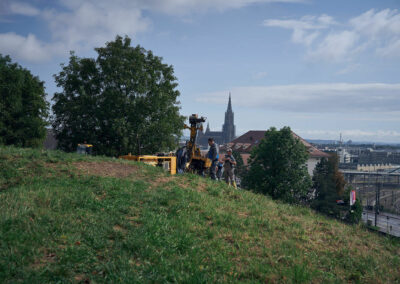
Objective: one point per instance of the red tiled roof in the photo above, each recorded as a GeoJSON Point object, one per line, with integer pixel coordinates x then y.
{"type": "Point", "coordinates": [246, 142]}
{"type": "Point", "coordinates": [250, 136]}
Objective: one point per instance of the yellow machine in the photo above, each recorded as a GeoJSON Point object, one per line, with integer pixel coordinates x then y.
{"type": "Point", "coordinates": [189, 157]}
{"type": "Point", "coordinates": [167, 162]}
{"type": "Point", "coordinates": [84, 149]}
{"type": "Point", "coordinates": [186, 159]}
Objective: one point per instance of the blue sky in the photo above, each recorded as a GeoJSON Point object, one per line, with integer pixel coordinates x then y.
{"type": "Point", "coordinates": [321, 67]}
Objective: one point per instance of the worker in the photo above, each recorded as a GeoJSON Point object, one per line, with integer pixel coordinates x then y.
{"type": "Point", "coordinates": [229, 168]}
{"type": "Point", "coordinates": [220, 170]}
{"type": "Point", "coordinates": [213, 155]}
{"type": "Point", "coordinates": [181, 159]}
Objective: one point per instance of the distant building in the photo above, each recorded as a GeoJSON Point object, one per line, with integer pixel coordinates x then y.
{"type": "Point", "coordinates": [227, 134]}
{"type": "Point", "coordinates": [345, 157]}
{"type": "Point", "coordinates": [245, 143]}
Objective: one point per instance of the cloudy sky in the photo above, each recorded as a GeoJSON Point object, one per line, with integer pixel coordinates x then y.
{"type": "Point", "coordinates": [321, 67]}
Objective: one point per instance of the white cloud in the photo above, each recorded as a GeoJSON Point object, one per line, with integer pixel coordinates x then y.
{"type": "Point", "coordinates": [260, 75]}
{"type": "Point", "coordinates": [376, 25]}
{"type": "Point", "coordinates": [28, 48]}
{"type": "Point", "coordinates": [82, 24]}
{"type": "Point", "coordinates": [91, 23]}
{"type": "Point", "coordinates": [24, 9]}
{"type": "Point", "coordinates": [390, 50]}
{"type": "Point", "coordinates": [315, 98]}
{"type": "Point", "coordinates": [336, 46]}
{"type": "Point", "coordinates": [348, 69]}
{"type": "Point", "coordinates": [305, 30]}
{"type": "Point", "coordinates": [180, 7]}
{"type": "Point", "coordinates": [85, 24]}
{"type": "Point", "coordinates": [331, 41]}
{"type": "Point", "coordinates": [305, 23]}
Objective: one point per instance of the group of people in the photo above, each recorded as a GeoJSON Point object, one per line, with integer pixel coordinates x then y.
{"type": "Point", "coordinates": [224, 166]}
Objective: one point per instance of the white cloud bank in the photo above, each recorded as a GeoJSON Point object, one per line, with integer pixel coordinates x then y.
{"type": "Point", "coordinates": [90, 23]}
{"type": "Point", "coordinates": [314, 98]}
{"type": "Point", "coordinates": [21, 8]}
{"type": "Point", "coordinates": [328, 40]}
{"type": "Point", "coordinates": [83, 24]}
{"type": "Point", "coordinates": [28, 48]}
{"type": "Point", "coordinates": [80, 25]}
{"type": "Point", "coordinates": [179, 7]}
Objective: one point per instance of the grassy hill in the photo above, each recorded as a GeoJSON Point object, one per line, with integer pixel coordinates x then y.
{"type": "Point", "coordinates": [70, 218]}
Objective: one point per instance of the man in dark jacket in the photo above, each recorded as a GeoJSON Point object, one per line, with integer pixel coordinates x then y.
{"type": "Point", "coordinates": [213, 155]}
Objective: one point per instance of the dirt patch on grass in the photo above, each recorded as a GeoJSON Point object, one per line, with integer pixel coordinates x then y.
{"type": "Point", "coordinates": [81, 278]}
{"type": "Point", "coordinates": [46, 259]}
{"type": "Point", "coordinates": [186, 183]}
{"type": "Point", "coordinates": [243, 214]}
{"type": "Point", "coordinates": [118, 228]}
{"type": "Point", "coordinates": [160, 180]}
{"type": "Point", "coordinates": [135, 223]}
{"type": "Point", "coordinates": [105, 169]}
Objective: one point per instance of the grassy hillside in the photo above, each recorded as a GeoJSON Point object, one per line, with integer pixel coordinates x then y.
{"type": "Point", "coordinates": [69, 218]}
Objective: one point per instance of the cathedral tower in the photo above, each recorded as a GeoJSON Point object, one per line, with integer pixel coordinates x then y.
{"type": "Point", "coordinates": [229, 128]}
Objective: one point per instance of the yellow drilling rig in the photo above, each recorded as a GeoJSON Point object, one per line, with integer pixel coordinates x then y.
{"type": "Point", "coordinates": [186, 159]}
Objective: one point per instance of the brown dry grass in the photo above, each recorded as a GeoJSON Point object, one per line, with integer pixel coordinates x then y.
{"type": "Point", "coordinates": [105, 169]}
{"type": "Point", "coordinates": [47, 258]}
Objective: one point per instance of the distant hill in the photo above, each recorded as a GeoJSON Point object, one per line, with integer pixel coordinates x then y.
{"type": "Point", "coordinates": [322, 141]}
{"type": "Point", "coordinates": [70, 218]}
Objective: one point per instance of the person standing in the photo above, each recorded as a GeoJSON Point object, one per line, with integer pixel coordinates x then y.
{"type": "Point", "coordinates": [220, 170]}
{"type": "Point", "coordinates": [213, 155]}
{"type": "Point", "coordinates": [229, 168]}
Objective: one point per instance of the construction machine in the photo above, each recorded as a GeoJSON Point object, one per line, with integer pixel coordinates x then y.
{"type": "Point", "coordinates": [84, 149]}
{"type": "Point", "coordinates": [189, 158]}
{"type": "Point", "coordinates": [186, 159]}
{"type": "Point", "coordinates": [166, 161]}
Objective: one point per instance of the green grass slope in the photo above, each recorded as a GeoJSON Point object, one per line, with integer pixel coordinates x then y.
{"type": "Point", "coordinates": [69, 218]}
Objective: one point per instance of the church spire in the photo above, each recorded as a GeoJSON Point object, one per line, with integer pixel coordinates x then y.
{"type": "Point", "coordinates": [229, 129]}
{"type": "Point", "coordinates": [229, 103]}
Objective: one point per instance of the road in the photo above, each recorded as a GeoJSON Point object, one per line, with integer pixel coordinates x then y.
{"type": "Point", "coordinates": [386, 222]}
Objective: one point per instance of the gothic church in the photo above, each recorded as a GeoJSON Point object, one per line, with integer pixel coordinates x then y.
{"type": "Point", "coordinates": [227, 134]}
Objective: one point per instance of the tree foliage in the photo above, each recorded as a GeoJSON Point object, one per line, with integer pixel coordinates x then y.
{"type": "Point", "coordinates": [123, 101]}
{"type": "Point", "coordinates": [240, 168]}
{"type": "Point", "coordinates": [23, 106]}
{"type": "Point", "coordinates": [328, 184]}
{"type": "Point", "coordinates": [277, 166]}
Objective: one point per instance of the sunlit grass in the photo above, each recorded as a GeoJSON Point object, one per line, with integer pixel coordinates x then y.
{"type": "Point", "coordinates": [62, 223]}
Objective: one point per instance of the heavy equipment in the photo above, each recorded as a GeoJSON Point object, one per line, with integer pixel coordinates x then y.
{"type": "Point", "coordinates": [189, 158]}
{"type": "Point", "coordinates": [85, 149]}
{"type": "Point", "coordinates": [186, 159]}
{"type": "Point", "coordinates": [168, 162]}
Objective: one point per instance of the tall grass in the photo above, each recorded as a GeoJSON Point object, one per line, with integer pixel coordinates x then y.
{"type": "Point", "coordinates": [61, 224]}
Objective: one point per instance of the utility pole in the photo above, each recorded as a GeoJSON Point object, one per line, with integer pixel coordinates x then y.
{"type": "Point", "coordinates": [377, 196]}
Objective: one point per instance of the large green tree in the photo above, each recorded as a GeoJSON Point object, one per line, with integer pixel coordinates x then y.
{"type": "Point", "coordinates": [23, 106]}
{"type": "Point", "coordinates": [277, 167]}
{"type": "Point", "coordinates": [123, 101]}
{"type": "Point", "coordinates": [328, 184]}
